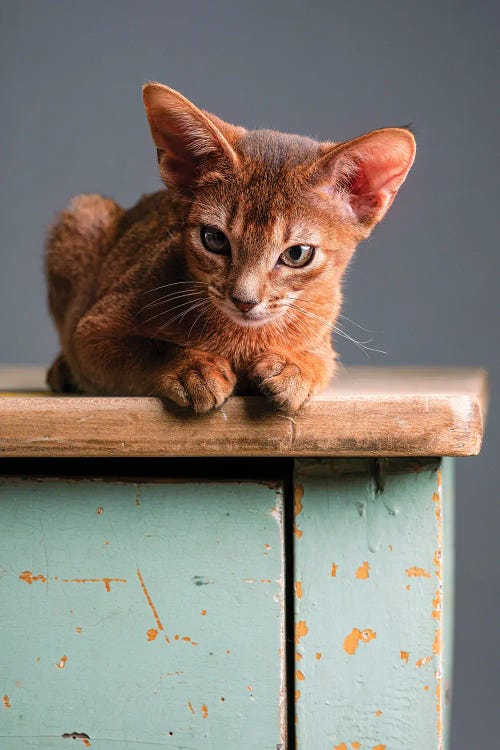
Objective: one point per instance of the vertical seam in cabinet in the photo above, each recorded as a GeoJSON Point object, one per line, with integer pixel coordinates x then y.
{"type": "Point", "coordinates": [288, 492]}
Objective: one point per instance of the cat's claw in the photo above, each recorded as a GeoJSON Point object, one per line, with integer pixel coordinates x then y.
{"type": "Point", "coordinates": [202, 383]}
{"type": "Point", "coordinates": [284, 382]}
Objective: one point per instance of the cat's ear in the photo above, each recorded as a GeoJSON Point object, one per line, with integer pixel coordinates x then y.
{"type": "Point", "coordinates": [188, 140]}
{"type": "Point", "coordinates": [366, 173]}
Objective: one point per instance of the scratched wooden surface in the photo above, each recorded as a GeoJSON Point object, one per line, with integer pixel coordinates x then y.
{"type": "Point", "coordinates": [141, 615]}
{"type": "Point", "coordinates": [367, 411]}
{"type": "Point", "coordinates": [373, 598]}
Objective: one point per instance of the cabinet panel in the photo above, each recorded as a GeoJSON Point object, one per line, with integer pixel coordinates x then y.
{"type": "Point", "coordinates": [141, 614]}
{"type": "Point", "coordinates": [374, 603]}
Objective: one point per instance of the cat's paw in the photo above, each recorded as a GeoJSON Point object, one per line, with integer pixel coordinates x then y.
{"type": "Point", "coordinates": [59, 378]}
{"type": "Point", "coordinates": [199, 380]}
{"type": "Point", "coordinates": [287, 384]}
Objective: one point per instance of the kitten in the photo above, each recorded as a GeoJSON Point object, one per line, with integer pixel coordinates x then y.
{"type": "Point", "coordinates": [230, 278]}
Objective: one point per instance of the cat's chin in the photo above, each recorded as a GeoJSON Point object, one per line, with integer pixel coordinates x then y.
{"type": "Point", "coordinates": [248, 321]}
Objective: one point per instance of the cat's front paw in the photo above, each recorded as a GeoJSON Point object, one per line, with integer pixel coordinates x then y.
{"type": "Point", "coordinates": [286, 383]}
{"type": "Point", "coordinates": [197, 379]}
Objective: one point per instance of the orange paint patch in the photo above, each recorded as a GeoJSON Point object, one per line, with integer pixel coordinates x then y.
{"type": "Point", "coordinates": [423, 661]}
{"type": "Point", "coordinates": [342, 746]}
{"type": "Point", "coordinates": [267, 547]}
{"type": "Point", "coordinates": [297, 509]}
{"type": "Point", "coordinates": [249, 688]}
{"type": "Point", "coordinates": [363, 571]}
{"type": "Point", "coordinates": [150, 602]}
{"type": "Point", "coordinates": [356, 745]}
{"type": "Point", "coordinates": [408, 586]}
{"type": "Point", "coordinates": [186, 638]}
{"type": "Point", "coordinates": [352, 640]}
{"type": "Point", "coordinates": [203, 612]}
{"type": "Point", "coordinates": [298, 589]}
{"type": "Point", "coordinates": [404, 655]}
{"type": "Point", "coordinates": [106, 581]}
{"type": "Point", "coordinates": [190, 706]}
{"type": "Point", "coordinates": [86, 742]}
{"type": "Point", "coordinates": [176, 637]}
{"type": "Point", "coordinates": [297, 695]}
{"type": "Point", "coordinates": [100, 511]}
{"type": "Point", "coordinates": [151, 634]}
{"type": "Point", "coordinates": [299, 675]}
{"type": "Point", "coordinates": [6, 701]}
{"type": "Point", "coordinates": [378, 713]}
{"type": "Point", "coordinates": [333, 571]}
{"type": "Point", "coordinates": [390, 547]}
{"type": "Point", "coordinates": [301, 630]}
{"type": "Point", "coordinates": [62, 662]}
{"type": "Point", "coordinates": [28, 576]}
{"type": "Point", "coordinates": [78, 630]}
{"type": "Point", "coordinates": [204, 711]}
{"type": "Point", "coordinates": [379, 747]}
{"type": "Point", "coordinates": [417, 573]}
{"type": "Point", "coordinates": [298, 656]}
{"type": "Point", "coordinates": [318, 655]}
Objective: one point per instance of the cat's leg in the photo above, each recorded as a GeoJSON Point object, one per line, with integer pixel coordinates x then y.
{"type": "Point", "coordinates": [59, 378]}
{"type": "Point", "coordinates": [110, 362]}
{"type": "Point", "coordinates": [289, 380]}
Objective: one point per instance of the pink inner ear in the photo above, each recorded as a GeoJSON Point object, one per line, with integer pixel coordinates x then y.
{"type": "Point", "coordinates": [379, 167]}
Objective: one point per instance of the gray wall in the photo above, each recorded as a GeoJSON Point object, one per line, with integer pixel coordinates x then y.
{"type": "Point", "coordinates": [72, 121]}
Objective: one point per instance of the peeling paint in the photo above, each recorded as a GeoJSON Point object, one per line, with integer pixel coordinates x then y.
{"type": "Point", "coordinates": [423, 661]}
{"type": "Point", "coordinates": [301, 630]}
{"type": "Point", "coordinates": [318, 655]}
{"type": "Point", "coordinates": [151, 634]}
{"type": "Point", "coordinates": [107, 581]}
{"type": "Point", "coordinates": [150, 602]}
{"type": "Point", "coordinates": [204, 711]}
{"type": "Point", "coordinates": [297, 509]}
{"type": "Point", "coordinates": [203, 612]}
{"type": "Point", "coordinates": [333, 571]}
{"type": "Point", "coordinates": [404, 656]}
{"type": "Point", "coordinates": [415, 572]}
{"type": "Point", "coordinates": [28, 576]}
{"type": "Point", "coordinates": [299, 675]}
{"type": "Point", "coordinates": [298, 589]}
{"type": "Point", "coordinates": [378, 713]}
{"type": "Point", "coordinates": [363, 571]}
{"type": "Point", "coordinates": [62, 662]}
{"type": "Point", "coordinates": [6, 701]}
{"type": "Point", "coordinates": [100, 511]}
{"type": "Point", "coordinates": [352, 640]}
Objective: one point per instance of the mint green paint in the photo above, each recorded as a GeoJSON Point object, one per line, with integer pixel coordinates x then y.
{"type": "Point", "coordinates": [345, 521]}
{"type": "Point", "coordinates": [214, 547]}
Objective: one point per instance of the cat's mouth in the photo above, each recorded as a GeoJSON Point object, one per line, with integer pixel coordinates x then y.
{"type": "Point", "coordinates": [249, 319]}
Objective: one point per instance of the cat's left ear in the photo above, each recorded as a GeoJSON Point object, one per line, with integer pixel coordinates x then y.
{"type": "Point", "coordinates": [188, 139]}
{"type": "Point", "coordinates": [366, 173]}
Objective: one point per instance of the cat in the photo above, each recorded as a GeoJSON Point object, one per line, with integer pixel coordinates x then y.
{"type": "Point", "coordinates": [228, 280]}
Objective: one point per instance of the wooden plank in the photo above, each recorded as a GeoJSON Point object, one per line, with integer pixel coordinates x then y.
{"type": "Point", "coordinates": [365, 412]}
{"type": "Point", "coordinates": [141, 615]}
{"type": "Point", "coordinates": [374, 607]}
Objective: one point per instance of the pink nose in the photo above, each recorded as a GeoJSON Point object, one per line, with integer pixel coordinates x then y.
{"type": "Point", "coordinates": [244, 305]}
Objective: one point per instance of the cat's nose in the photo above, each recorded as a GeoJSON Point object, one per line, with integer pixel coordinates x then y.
{"type": "Point", "coordinates": [244, 305]}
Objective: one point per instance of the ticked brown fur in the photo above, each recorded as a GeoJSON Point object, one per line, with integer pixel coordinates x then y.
{"type": "Point", "coordinates": [143, 308]}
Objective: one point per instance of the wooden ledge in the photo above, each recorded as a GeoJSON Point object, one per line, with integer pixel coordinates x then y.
{"type": "Point", "coordinates": [366, 411]}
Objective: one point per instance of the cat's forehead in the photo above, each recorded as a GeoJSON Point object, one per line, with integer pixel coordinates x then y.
{"type": "Point", "coordinates": [275, 151]}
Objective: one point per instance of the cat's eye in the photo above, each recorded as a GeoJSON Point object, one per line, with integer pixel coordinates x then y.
{"type": "Point", "coordinates": [297, 256]}
{"type": "Point", "coordinates": [215, 241]}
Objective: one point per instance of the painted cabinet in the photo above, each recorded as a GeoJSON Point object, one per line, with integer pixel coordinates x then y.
{"type": "Point", "coordinates": [245, 580]}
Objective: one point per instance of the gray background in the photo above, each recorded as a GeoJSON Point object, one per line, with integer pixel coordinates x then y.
{"type": "Point", "coordinates": [72, 121]}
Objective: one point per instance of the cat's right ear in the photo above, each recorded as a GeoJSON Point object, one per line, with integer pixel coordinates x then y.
{"type": "Point", "coordinates": [189, 141]}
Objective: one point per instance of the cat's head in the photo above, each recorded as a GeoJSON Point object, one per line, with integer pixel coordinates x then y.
{"type": "Point", "coordinates": [272, 219]}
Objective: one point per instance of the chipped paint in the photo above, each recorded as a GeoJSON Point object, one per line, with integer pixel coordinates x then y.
{"type": "Point", "coordinates": [363, 571]}
{"type": "Point", "coordinates": [301, 630]}
{"type": "Point", "coordinates": [298, 656]}
{"type": "Point", "coordinates": [100, 511]}
{"type": "Point", "coordinates": [297, 509]}
{"type": "Point", "coordinates": [78, 630]}
{"type": "Point", "coordinates": [352, 640]}
{"type": "Point", "coordinates": [203, 612]}
{"type": "Point", "coordinates": [106, 581]}
{"type": "Point", "coordinates": [355, 745]}
{"type": "Point", "coordinates": [318, 655]}
{"type": "Point", "coordinates": [423, 661]}
{"type": "Point", "coordinates": [28, 577]}
{"type": "Point", "coordinates": [404, 656]}
{"type": "Point", "coordinates": [297, 695]}
{"type": "Point", "coordinates": [150, 602]}
{"type": "Point", "coordinates": [299, 675]}
{"type": "Point", "coordinates": [151, 634]}
{"type": "Point", "coordinates": [415, 572]}
{"type": "Point", "coordinates": [298, 589]}
{"type": "Point", "coordinates": [62, 662]}
{"type": "Point", "coordinates": [342, 746]}
{"type": "Point", "coordinates": [6, 701]}
{"type": "Point", "coordinates": [379, 747]}
{"type": "Point", "coordinates": [333, 570]}
{"type": "Point", "coordinates": [204, 711]}
{"type": "Point", "coordinates": [378, 713]}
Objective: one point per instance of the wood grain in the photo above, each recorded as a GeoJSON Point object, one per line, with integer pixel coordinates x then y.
{"type": "Point", "coordinates": [365, 412]}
